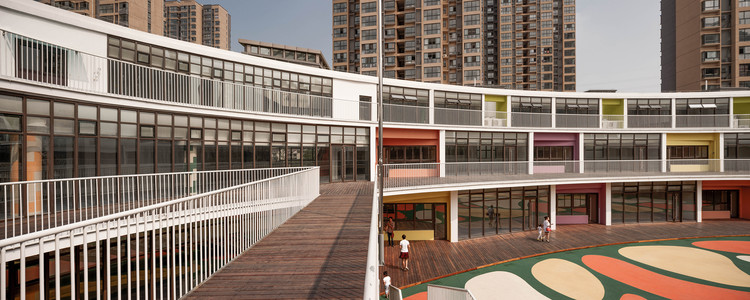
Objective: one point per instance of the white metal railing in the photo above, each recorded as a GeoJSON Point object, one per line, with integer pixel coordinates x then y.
{"type": "Point", "coordinates": [741, 121]}
{"type": "Point", "coordinates": [395, 294]}
{"type": "Point", "coordinates": [30, 206]}
{"type": "Point", "coordinates": [576, 121]}
{"type": "Point", "coordinates": [453, 116]}
{"type": "Point", "coordinates": [613, 121]}
{"type": "Point", "coordinates": [160, 251]}
{"type": "Point", "coordinates": [495, 119]}
{"type": "Point", "coordinates": [523, 119]}
{"type": "Point", "coordinates": [649, 121]}
{"type": "Point", "coordinates": [439, 292]}
{"type": "Point", "coordinates": [427, 174]}
{"type": "Point", "coordinates": [406, 113]}
{"type": "Point", "coordinates": [372, 274]}
{"type": "Point", "coordinates": [43, 63]}
{"type": "Point", "coordinates": [683, 121]}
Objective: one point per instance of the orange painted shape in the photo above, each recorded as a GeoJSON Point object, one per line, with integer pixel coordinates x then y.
{"type": "Point", "coordinates": [742, 247]}
{"type": "Point", "coordinates": [655, 283]}
{"type": "Point", "coordinates": [631, 297]}
{"type": "Point", "coordinates": [418, 296]}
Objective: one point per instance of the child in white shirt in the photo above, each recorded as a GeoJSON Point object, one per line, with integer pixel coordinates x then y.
{"type": "Point", "coordinates": [541, 233]}
{"type": "Point", "coordinates": [386, 283]}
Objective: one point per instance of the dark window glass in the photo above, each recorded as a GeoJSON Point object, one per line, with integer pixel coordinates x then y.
{"type": "Point", "coordinates": [63, 157]}
{"type": "Point", "coordinates": [146, 156]}
{"type": "Point", "coordinates": [107, 157]}
{"type": "Point", "coordinates": [86, 157]}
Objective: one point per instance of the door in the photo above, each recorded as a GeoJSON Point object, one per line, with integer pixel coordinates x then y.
{"type": "Point", "coordinates": [593, 208]}
{"type": "Point", "coordinates": [674, 207]}
{"type": "Point", "coordinates": [342, 163]}
{"type": "Point", "coordinates": [734, 203]}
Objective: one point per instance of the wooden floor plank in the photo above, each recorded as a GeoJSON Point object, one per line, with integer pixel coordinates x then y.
{"type": "Point", "coordinates": [320, 253]}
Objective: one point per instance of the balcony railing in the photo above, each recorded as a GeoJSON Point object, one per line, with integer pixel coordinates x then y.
{"type": "Point", "coordinates": [576, 121]}
{"type": "Point", "coordinates": [613, 121]}
{"type": "Point", "coordinates": [23, 58]}
{"type": "Point", "coordinates": [399, 176]}
{"type": "Point", "coordinates": [452, 116]}
{"type": "Point", "coordinates": [521, 119]}
{"type": "Point", "coordinates": [648, 121]}
{"type": "Point", "coordinates": [741, 121]}
{"type": "Point", "coordinates": [686, 121]}
{"type": "Point", "coordinates": [495, 119]}
{"type": "Point", "coordinates": [30, 206]}
{"type": "Point", "coordinates": [159, 251]}
{"type": "Point", "coordinates": [406, 113]}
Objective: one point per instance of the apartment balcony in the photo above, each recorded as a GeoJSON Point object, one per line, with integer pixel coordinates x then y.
{"type": "Point", "coordinates": [576, 121]}
{"type": "Point", "coordinates": [406, 113]}
{"type": "Point", "coordinates": [649, 121]}
{"type": "Point", "coordinates": [691, 121]}
{"type": "Point", "coordinates": [535, 120]}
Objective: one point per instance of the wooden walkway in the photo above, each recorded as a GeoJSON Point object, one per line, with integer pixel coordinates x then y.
{"type": "Point", "coordinates": [433, 259]}
{"type": "Point", "coordinates": [319, 253]}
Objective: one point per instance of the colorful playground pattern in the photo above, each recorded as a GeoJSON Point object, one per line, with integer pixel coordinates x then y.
{"type": "Point", "coordinates": [707, 268]}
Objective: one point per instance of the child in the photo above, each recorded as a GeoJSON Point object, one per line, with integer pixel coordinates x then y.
{"type": "Point", "coordinates": [386, 283]}
{"type": "Point", "coordinates": [541, 233]}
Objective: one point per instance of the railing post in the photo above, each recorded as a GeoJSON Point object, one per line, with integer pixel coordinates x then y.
{"type": "Point", "coordinates": [530, 154]}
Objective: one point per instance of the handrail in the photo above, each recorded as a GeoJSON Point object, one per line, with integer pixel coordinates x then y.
{"type": "Point", "coordinates": [372, 275]}
{"type": "Point", "coordinates": [28, 206]}
{"type": "Point", "coordinates": [185, 241]}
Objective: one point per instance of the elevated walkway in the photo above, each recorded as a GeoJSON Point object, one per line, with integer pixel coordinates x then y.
{"type": "Point", "coordinates": [319, 253]}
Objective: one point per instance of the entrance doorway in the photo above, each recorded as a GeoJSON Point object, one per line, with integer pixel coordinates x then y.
{"type": "Point", "coordinates": [674, 207]}
{"type": "Point", "coordinates": [343, 165]}
{"type": "Point", "coordinates": [579, 205]}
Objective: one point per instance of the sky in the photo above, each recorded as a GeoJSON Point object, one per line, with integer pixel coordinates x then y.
{"type": "Point", "coordinates": [618, 45]}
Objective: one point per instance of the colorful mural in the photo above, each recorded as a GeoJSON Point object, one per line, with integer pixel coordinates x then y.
{"type": "Point", "coordinates": [709, 268]}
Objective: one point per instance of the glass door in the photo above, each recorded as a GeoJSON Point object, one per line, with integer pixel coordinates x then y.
{"type": "Point", "coordinates": [593, 208]}
{"type": "Point", "coordinates": [673, 207]}
{"type": "Point", "coordinates": [343, 165]}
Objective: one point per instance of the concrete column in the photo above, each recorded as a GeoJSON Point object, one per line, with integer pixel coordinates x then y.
{"type": "Point", "coordinates": [601, 112]}
{"type": "Point", "coordinates": [553, 112]}
{"type": "Point", "coordinates": [508, 112]}
{"type": "Point", "coordinates": [531, 153]}
{"type": "Point", "coordinates": [580, 153]}
{"type": "Point", "coordinates": [721, 152]}
{"type": "Point", "coordinates": [553, 206]}
{"type": "Point", "coordinates": [431, 113]}
{"type": "Point", "coordinates": [674, 113]}
{"type": "Point", "coordinates": [441, 153]}
{"type": "Point", "coordinates": [731, 113]}
{"type": "Point", "coordinates": [663, 152]}
{"type": "Point", "coordinates": [699, 201]}
{"type": "Point", "coordinates": [625, 113]}
{"type": "Point", "coordinates": [454, 217]}
{"type": "Point", "coordinates": [608, 204]}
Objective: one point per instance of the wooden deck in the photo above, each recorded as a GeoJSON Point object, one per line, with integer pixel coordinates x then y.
{"type": "Point", "coordinates": [319, 253]}
{"type": "Point", "coordinates": [434, 259]}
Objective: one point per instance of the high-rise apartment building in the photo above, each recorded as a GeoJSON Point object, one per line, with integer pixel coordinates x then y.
{"type": "Point", "coordinates": [705, 44]}
{"type": "Point", "coordinates": [142, 15]}
{"type": "Point", "coordinates": [217, 26]}
{"type": "Point", "coordinates": [191, 21]}
{"type": "Point", "coordinates": [515, 44]}
{"type": "Point", "coordinates": [183, 20]}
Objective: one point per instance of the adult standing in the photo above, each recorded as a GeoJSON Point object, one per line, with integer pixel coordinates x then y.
{"type": "Point", "coordinates": [546, 226]}
{"type": "Point", "coordinates": [390, 226]}
{"type": "Point", "coordinates": [404, 253]}
{"type": "Point", "coordinates": [491, 214]}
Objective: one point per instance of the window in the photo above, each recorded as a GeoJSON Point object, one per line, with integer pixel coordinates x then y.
{"type": "Point", "coordinates": [432, 28]}
{"type": "Point", "coordinates": [432, 14]}
{"type": "Point", "coordinates": [339, 45]}
{"type": "Point", "coordinates": [687, 152]}
{"type": "Point", "coordinates": [710, 39]}
{"type": "Point", "coordinates": [339, 20]}
{"type": "Point", "coordinates": [409, 154]}
{"type": "Point", "coordinates": [368, 35]}
{"type": "Point", "coordinates": [710, 5]}
{"type": "Point", "coordinates": [431, 72]}
{"type": "Point", "coordinates": [432, 43]}
{"type": "Point", "coordinates": [710, 56]}
{"type": "Point", "coordinates": [710, 22]}
{"type": "Point", "coordinates": [574, 204]}
{"type": "Point", "coordinates": [744, 17]}
{"type": "Point", "coordinates": [40, 61]}
{"type": "Point", "coordinates": [471, 20]}
{"type": "Point", "coordinates": [369, 21]}
{"type": "Point", "coordinates": [369, 7]}
{"type": "Point", "coordinates": [337, 33]}
{"type": "Point", "coordinates": [472, 75]}
{"type": "Point", "coordinates": [553, 153]}
{"type": "Point", "coordinates": [744, 35]}
{"type": "Point", "coordinates": [471, 5]}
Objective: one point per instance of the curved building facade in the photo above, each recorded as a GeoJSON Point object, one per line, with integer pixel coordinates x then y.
{"type": "Point", "coordinates": [81, 98]}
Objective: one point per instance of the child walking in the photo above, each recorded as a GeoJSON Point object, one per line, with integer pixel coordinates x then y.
{"type": "Point", "coordinates": [541, 233]}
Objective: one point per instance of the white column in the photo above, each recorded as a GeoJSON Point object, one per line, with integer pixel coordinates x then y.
{"type": "Point", "coordinates": [601, 111]}
{"type": "Point", "coordinates": [554, 112]}
{"type": "Point", "coordinates": [663, 152]}
{"type": "Point", "coordinates": [625, 113]}
{"type": "Point", "coordinates": [553, 206]}
{"type": "Point", "coordinates": [441, 152]}
{"type": "Point", "coordinates": [699, 201]}
{"type": "Point", "coordinates": [432, 107]}
{"type": "Point", "coordinates": [731, 112]}
{"type": "Point", "coordinates": [454, 216]}
{"type": "Point", "coordinates": [508, 112]}
{"type": "Point", "coordinates": [673, 106]}
{"type": "Point", "coordinates": [580, 153]}
{"type": "Point", "coordinates": [530, 154]}
{"type": "Point", "coordinates": [373, 154]}
{"type": "Point", "coordinates": [721, 152]}
{"type": "Point", "coordinates": [484, 112]}
{"type": "Point", "coordinates": [608, 204]}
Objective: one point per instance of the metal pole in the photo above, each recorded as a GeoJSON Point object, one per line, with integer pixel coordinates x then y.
{"type": "Point", "coordinates": [381, 243]}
